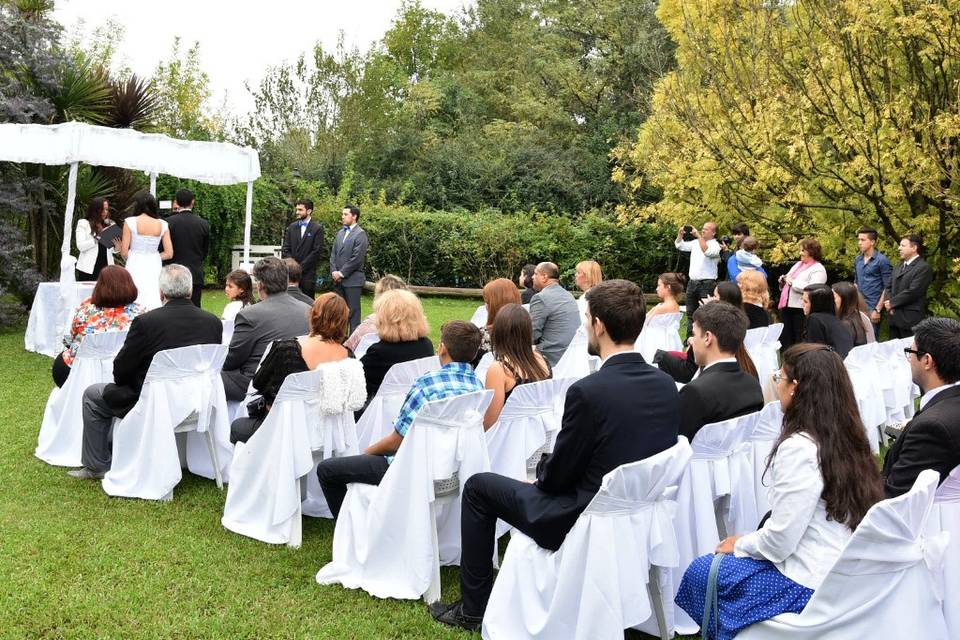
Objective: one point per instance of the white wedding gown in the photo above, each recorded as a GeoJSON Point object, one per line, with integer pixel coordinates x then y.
{"type": "Point", "coordinates": [143, 263]}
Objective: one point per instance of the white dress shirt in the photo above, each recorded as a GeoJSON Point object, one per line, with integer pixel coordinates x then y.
{"type": "Point", "coordinates": [797, 538]}
{"type": "Point", "coordinates": [928, 396]}
{"type": "Point", "coordinates": [703, 265]}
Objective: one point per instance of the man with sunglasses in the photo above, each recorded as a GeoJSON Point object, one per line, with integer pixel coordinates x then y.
{"type": "Point", "coordinates": [931, 440]}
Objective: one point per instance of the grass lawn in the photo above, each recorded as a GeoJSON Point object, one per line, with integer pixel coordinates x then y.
{"type": "Point", "coordinates": [75, 563]}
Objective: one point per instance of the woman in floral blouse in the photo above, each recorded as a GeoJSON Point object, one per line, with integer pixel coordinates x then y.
{"type": "Point", "coordinates": [110, 308]}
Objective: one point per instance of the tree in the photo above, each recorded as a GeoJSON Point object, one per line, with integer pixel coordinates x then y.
{"type": "Point", "coordinates": [182, 90]}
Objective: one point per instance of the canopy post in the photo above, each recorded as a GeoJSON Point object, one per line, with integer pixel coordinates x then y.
{"type": "Point", "coordinates": [153, 185]}
{"type": "Point", "coordinates": [66, 260]}
{"type": "Point", "coordinates": [247, 224]}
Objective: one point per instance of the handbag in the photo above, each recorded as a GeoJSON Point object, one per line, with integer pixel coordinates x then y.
{"type": "Point", "coordinates": [710, 604]}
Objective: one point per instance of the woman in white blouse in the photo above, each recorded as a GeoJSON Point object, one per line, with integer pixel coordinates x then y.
{"type": "Point", "coordinates": [804, 273]}
{"type": "Point", "coordinates": [93, 255]}
{"type": "Point", "coordinates": [821, 480]}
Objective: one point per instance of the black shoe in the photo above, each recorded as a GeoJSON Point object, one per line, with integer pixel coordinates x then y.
{"type": "Point", "coordinates": [452, 615]}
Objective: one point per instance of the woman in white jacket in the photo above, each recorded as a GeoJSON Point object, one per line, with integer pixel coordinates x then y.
{"type": "Point", "coordinates": [93, 255]}
{"type": "Point", "coordinates": [804, 273]}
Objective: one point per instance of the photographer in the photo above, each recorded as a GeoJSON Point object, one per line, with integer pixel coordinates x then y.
{"type": "Point", "coordinates": [704, 253]}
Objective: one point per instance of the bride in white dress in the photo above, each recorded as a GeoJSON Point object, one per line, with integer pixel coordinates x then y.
{"type": "Point", "coordinates": [143, 233]}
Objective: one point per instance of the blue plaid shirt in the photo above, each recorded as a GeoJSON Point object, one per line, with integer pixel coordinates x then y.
{"type": "Point", "coordinates": [453, 379]}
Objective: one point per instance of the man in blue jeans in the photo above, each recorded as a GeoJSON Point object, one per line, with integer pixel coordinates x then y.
{"type": "Point", "coordinates": [872, 274]}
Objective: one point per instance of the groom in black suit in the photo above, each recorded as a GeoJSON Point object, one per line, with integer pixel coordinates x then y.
{"type": "Point", "coordinates": [906, 299]}
{"type": "Point", "coordinates": [303, 242]}
{"type": "Point", "coordinates": [190, 237]}
{"type": "Point", "coordinates": [626, 411]}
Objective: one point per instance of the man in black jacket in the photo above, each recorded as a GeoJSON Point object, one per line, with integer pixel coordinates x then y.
{"type": "Point", "coordinates": [627, 411]}
{"type": "Point", "coordinates": [178, 323]}
{"type": "Point", "coordinates": [303, 242]}
{"type": "Point", "coordinates": [906, 299]}
{"type": "Point", "coordinates": [722, 390]}
{"type": "Point", "coordinates": [190, 237]}
{"type": "Point", "coordinates": [932, 439]}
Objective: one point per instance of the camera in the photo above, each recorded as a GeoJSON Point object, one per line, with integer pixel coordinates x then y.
{"type": "Point", "coordinates": [687, 233]}
{"type": "Point", "coordinates": [727, 240]}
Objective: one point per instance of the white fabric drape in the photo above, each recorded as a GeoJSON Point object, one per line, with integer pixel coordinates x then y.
{"type": "Point", "coordinates": [576, 362]}
{"type": "Point", "coordinates": [868, 388]}
{"type": "Point", "coordinates": [883, 583]}
{"type": "Point", "coordinates": [766, 431]}
{"type": "Point", "coordinates": [661, 331]}
{"type": "Point", "coordinates": [762, 345]}
{"type": "Point", "coordinates": [479, 317]}
{"type": "Point", "coordinates": [390, 540]}
{"type": "Point", "coordinates": [179, 383]}
{"type": "Point", "coordinates": [596, 584]}
{"type": "Point", "coordinates": [946, 517]}
{"type": "Point", "coordinates": [51, 315]}
{"type": "Point", "coordinates": [61, 432]}
{"type": "Point", "coordinates": [365, 343]}
{"type": "Point", "coordinates": [377, 419]}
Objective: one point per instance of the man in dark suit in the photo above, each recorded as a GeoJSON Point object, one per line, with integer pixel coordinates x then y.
{"type": "Point", "coordinates": [932, 439]}
{"type": "Point", "coordinates": [190, 237]}
{"type": "Point", "coordinates": [178, 323]}
{"type": "Point", "coordinates": [722, 390]}
{"type": "Point", "coordinates": [293, 282]}
{"type": "Point", "coordinates": [276, 316]}
{"type": "Point", "coordinates": [347, 256]}
{"type": "Point", "coordinates": [627, 411]}
{"type": "Point", "coordinates": [303, 242]}
{"type": "Point", "coordinates": [906, 299]}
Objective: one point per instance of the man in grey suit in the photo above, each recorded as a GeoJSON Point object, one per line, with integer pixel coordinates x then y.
{"type": "Point", "coordinates": [276, 316]}
{"type": "Point", "coordinates": [554, 312]}
{"type": "Point", "coordinates": [346, 262]}
{"type": "Point", "coordinates": [906, 298]}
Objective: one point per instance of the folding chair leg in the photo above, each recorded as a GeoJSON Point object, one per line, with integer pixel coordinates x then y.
{"type": "Point", "coordinates": [656, 603]}
{"type": "Point", "coordinates": [212, 447]}
{"type": "Point", "coordinates": [433, 591]}
{"type": "Point", "coordinates": [720, 507]}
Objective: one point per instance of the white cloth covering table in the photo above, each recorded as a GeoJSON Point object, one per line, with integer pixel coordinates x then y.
{"type": "Point", "coordinates": [51, 315]}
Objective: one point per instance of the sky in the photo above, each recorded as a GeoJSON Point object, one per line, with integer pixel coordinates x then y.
{"type": "Point", "coordinates": [238, 40]}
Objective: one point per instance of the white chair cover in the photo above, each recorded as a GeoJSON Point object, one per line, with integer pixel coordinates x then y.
{"type": "Point", "coordinates": [661, 331]}
{"type": "Point", "coordinates": [762, 345]}
{"type": "Point", "coordinates": [51, 314]}
{"type": "Point", "coordinates": [264, 500]}
{"type": "Point", "coordinates": [390, 540]}
{"type": "Point", "coordinates": [378, 418]}
{"type": "Point", "coordinates": [479, 317]}
{"type": "Point", "coordinates": [576, 362]}
{"type": "Point", "coordinates": [946, 517]}
{"type": "Point", "coordinates": [904, 375]}
{"type": "Point", "coordinates": [365, 343]}
{"type": "Point", "coordinates": [716, 490]}
{"type": "Point", "coordinates": [882, 585]}
{"type": "Point", "coordinates": [596, 584]}
{"type": "Point", "coordinates": [484, 365]}
{"type": "Point", "coordinates": [766, 431]}
{"type": "Point", "coordinates": [868, 381]}
{"type": "Point", "coordinates": [61, 432]}
{"type": "Point", "coordinates": [227, 332]}
{"type": "Point", "coordinates": [902, 391]}
{"type": "Point", "coordinates": [179, 383]}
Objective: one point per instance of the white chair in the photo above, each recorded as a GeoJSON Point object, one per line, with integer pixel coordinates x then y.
{"type": "Point", "coordinates": [882, 585]}
{"type": "Point", "coordinates": [716, 496]}
{"type": "Point", "coordinates": [484, 365]}
{"type": "Point", "coordinates": [766, 431]}
{"type": "Point", "coordinates": [390, 540]}
{"type": "Point", "coordinates": [365, 343]}
{"type": "Point", "coordinates": [946, 517]}
{"type": "Point", "coordinates": [61, 432]}
{"type": "Point", "coordinates": [762, 345]}
{"type": "Point", "coordinates": [377, 419]}
{"type": "Point", "coordinates": [868, 381]}
{"type": "Point", "coordinates": [479, 318]}
{"type": "Point", "coordinates": [576, 362]}
{"type": "Point", "coordinates": [661, 331]}
{"type": "Point", "coordinates": [265, 499]}
{"type": "Point", "coordinates": [227, 332]}
{"type": "Point", "coordinates": [182, 392]}
{"type": "Point", "coordinates": [902, 390]}
{"type": "Point", "coordinates": [605, 577]}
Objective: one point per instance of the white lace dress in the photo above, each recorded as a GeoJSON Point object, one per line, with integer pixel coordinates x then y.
{"type": "Point", "coordinates": [143, 263]}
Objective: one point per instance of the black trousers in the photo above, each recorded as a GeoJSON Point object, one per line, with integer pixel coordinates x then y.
{"type": "Point", "coordinates": [336, 473]}
{"type": "Point", "coordinates": [61, 371]}
{"type": "Point", "coordinates": [696, 291]}
{"type": "Point", "coordinates": [793, 319]}
{"type": "Point", "coordinates": [308, 282]}
{"type": "Point", "coordinates": [900, 332]}
{"type": "Point", "coordinates": [195, 296]}
{"type": "Point", "coordinates": [242, 428]}
{"type": "Point", "coordinates": [352, 296]}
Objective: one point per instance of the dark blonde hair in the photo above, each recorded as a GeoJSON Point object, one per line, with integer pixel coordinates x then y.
{"type": "Point", "coordinates": [498, 293]}
{"type": "Point", "coordinates": [399, 316]}
{"type": "Point", "coordinates": [329, 317]}
{"type": "Point", "coordinates": [593, 272]}
{"type": "Point", "coordinates": [753, 288]}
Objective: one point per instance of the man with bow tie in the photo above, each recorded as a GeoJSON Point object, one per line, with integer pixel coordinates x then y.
{"type": "Point", "coordinates": [347, 256]}
{"type": "Point", "coordinates": [906, 298]}
{"type": "Point", "coordinates": [303, 242]}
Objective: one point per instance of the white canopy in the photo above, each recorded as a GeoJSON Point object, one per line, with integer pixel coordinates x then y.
{"type": "Point", "coordinates": [74, 142]}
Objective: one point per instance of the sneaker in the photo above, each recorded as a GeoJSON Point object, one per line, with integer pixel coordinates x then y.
{"type": "Point", "coordinates": [452, 615]}
{"type": "Point", "coordinates": [85, 474]}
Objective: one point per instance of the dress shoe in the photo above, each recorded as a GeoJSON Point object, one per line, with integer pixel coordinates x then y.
{"type": "Point", "coordinates": [85, 474]}
{"type": "Point", "coordinates": [452, 615]}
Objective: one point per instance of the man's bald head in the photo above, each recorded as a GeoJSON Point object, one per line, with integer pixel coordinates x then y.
{"type": "Point", "coordinates": [544, 275]}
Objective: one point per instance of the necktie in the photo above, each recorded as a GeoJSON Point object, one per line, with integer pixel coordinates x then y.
{"type": "Point", "coordinates": [346, 231]}
{"type": "Point", "coordinates": [303, 227]}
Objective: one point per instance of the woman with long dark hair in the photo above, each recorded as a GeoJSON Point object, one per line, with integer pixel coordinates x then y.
{"type": "Point", "coordinates": [822, 324]}
{"type": "Point", "coordinates": [525, 280]}
{"type": "Point", "coordinates": [143, 233]}
{"type": "Point", "coordinates": [852, 312]}
{"type": "Point", "coordinates": [821, 480]}
{"type": "Point", "coordinates": [93, 255]}
{"type": "Point", "coordinates": [516, 360]}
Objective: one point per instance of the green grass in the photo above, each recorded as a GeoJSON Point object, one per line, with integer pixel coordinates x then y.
{"type": "Point", "coordinates": [76, 563]}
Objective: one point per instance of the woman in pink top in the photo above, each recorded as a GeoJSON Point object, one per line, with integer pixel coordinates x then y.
{"type": "Point", "coordinates": [806, 272]}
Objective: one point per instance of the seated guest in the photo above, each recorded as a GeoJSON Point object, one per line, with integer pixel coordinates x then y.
{"type": "Point", "coordinates": [525, 280]}
{"type": "Point", "coordinates": [852, 311]}
{"type": "Point", "coordinates": [459, 342]}
{"type": "Point", "coordinates": [388, 282]}
{"type": "Point", "coordinates": [624, 412]}
{"type": "Point", "coordinates": [669, 288]}
{"type": "Point", "coordinates": [112, 307]}
{"type": "Point", "coordinates": [587, 275]}
{"type": "Point", "coordinates": [496, 294]}
{"type": "Point", "coordinates": [329, 319]}
{"type": "Point", "coordinates": [555, 314]}
{"type": "Point", "coordinates": [293, 282]}
{"type": "Point", "coordinates": [745, 259]}
{"type": "Point", "coordinates": [177, 323]}
{"type": "Point", "coordinates": [756, 297]}
{"type": "Point", "coordinates": [516, 362]}
{"type": "Point", "coordinates": [932, 439]}
{"type": "Point", "coordinates": [823, 326]}
{"type": "Point", "coordinates": [722, 390]}
{"type": "Point", "coordinates": [276, 316]}
{"type": "Point", "coordinates": [239, 290]}
{"type": "Point", "coordinates": [403, 329]}
{"type": "Point", "coordinates": [821, 481]}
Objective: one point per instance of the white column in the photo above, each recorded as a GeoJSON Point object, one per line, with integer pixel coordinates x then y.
{"type": "Point", "coordinates": [247, 225]}
{"type": "Point", "coordinates": [153, 184]}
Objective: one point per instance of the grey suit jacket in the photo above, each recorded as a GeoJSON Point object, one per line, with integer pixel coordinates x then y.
{"type": "Point", "coordinates": [347, 256]}
{"type": "Point", "coordinates": [256, 326]}
{"type": "Point", "coordinates": [556, 318]}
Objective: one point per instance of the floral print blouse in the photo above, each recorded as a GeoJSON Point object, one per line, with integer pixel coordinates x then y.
{"type": "Point", "coordinates": [90, 318]}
